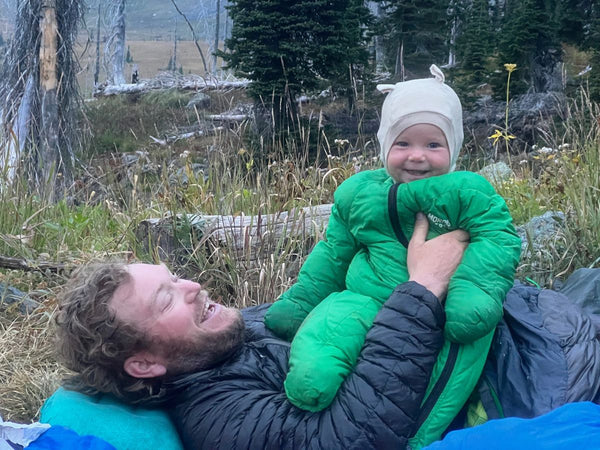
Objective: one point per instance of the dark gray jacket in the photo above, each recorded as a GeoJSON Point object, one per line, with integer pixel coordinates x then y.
{"type": "Point", "coordinates": [241, 404]}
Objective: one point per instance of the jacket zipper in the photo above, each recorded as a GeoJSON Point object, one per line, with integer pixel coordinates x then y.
{"type": "Point", "coordinates": [440, 384]}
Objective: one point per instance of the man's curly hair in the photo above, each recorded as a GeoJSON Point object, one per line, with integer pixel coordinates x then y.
{"type": "Point", "coordinates": [91, 341]}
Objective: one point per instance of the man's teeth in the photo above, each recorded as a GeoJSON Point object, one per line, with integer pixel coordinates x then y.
{"type": "Point", "coordinates": [205, 313]}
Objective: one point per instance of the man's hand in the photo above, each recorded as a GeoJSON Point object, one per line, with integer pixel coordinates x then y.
{"type": "Point", "coordinates": [432, 263]}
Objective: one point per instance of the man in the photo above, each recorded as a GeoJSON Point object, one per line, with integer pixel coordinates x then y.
{"type": "Point", "coordinates": [146, 336]}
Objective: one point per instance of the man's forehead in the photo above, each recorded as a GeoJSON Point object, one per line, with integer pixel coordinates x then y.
{"type": "Point", "coordinates": [133, 300]}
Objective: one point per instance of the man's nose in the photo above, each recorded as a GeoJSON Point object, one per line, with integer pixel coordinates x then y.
{"type": "Point", "coordinates": [191, 287]}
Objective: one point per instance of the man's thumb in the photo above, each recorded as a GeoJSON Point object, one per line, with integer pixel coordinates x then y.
{"type": "Point", "coordinates": [421, 228]}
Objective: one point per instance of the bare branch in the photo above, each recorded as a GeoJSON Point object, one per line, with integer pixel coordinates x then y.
{"type": "Point", "coordinates": [193, 35]}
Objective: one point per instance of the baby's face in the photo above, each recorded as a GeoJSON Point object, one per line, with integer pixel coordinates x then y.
{"type": "Point", "coordinates": [420, 151]}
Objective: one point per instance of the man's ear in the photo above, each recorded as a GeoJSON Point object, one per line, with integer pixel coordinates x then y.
{"type": "Point", "coordinates": [144, 365]}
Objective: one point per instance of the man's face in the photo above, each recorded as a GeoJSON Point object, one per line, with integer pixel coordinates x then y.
{"type": "Point", "coordinates": [420, 151]}
{"type": "Point", "coordinates": [184, 327]}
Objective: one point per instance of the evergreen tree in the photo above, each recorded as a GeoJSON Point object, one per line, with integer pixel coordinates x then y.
{"type": "Point", "coordinates": [573, 19]}
{"type": "Point", "coordinates": [592, 41]}
{"type": "Point", "coordinates": [421, 29]}
{"type": "Point", "coordinates": [286, 46]}
{"type": "Point", "coordinates": [474, 46]}
{"type": "Point", "coordinates": [339, 53]}
{"type": "Point", "coordinates": [528, 38]}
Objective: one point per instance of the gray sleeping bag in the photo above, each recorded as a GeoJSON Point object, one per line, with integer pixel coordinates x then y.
{"type": "Point", "coordinates": [546, 350]}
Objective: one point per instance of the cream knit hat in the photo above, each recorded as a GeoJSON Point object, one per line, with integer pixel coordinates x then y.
{"type": "Point", "coordinates": [427, 100]}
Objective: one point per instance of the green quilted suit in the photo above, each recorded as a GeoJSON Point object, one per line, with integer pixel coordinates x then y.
{"type": "Point", "coordinates": [347, 277]}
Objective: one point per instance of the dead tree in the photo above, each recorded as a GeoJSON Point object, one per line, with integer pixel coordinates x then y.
{"type": "Point", "coordinates": [114, 49]}
{"type": "Point", "coordinates": [97, 68]}
{"type": "Point", "coordinates": [40, 97]}
{"type": "Point", "coordinates": [216, 47]}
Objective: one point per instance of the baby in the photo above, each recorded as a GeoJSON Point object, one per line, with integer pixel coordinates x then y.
{"type": "Point", "coordinates": [347, 277]}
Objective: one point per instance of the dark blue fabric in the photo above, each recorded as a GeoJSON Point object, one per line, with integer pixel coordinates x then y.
{"type": "Point", "coordinates": [522, 351]}
{"type": "Point", "coordinates": [57, 437]}
{"type": "Point", "coordinates": [572, 426]}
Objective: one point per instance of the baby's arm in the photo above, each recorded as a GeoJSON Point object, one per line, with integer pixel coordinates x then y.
{"type": "Point", "coordinates": [323, 272]}
{"type": "Point", "coordinates": [477, 290]}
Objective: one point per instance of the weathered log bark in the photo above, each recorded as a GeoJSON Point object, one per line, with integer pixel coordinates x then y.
{"type": "Point", "coordinates": [229, 117]}
{"type": "Point", "coordinates": [165, 81]}
{"type": "Point", "coordinates": [115, 45]}
{"type": "Point", "coordinates": [97, 68]}
{"type": "Point", "coordinates": [177, 137]}
{"type": "Point", "coordinates": [251, 237]}
{"type": "Point", "coordinates": [30, 266]}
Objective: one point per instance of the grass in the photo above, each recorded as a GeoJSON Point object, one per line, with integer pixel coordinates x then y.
{"type": "Point", "coordinates": [243, 175]}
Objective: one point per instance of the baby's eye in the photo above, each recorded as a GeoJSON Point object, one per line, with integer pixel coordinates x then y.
{"type": "Point", "coordinates": [401, 144]}
{"type": "Point", "coordinates": [434, 145]}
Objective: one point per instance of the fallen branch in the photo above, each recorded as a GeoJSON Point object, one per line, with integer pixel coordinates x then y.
{"type": "Point", "coordinates": [31, 266]}
{"type": "Point", "coordinates": [177, 137]}
{"type": "Point", "coordinates": [193, 35]}
{"type": "Point", "coordinates": [229, 117]}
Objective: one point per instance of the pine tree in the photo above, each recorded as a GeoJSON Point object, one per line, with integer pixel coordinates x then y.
{"type": "Point", "coordinates": [286, 46]}
{"type": "Point", "coordinates": [592, 41]}
{"type": "Point", "coordinates": [474, 46]}
{"type": "Point", "coordinates": [421, 29]}
{"type": "Point", "coordinates": [573, 17]}
{"type": "Point", "coordinates": [528, 38]}
{"type": "Point", "coordinates": [339, 53]}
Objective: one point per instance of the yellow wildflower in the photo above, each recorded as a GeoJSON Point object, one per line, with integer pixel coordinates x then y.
{"type": "Point", "coordinates": [510, 67]}
{"type": "Point", "coordinates": [497, 135]}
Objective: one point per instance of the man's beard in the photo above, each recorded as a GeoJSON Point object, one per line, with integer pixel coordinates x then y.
{"type": "Point", "coordinates": [203, 352]}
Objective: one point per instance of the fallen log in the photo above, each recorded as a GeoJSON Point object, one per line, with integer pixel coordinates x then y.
{"type": "Point", "coordinates": [248, 237]}
{"type": "Point", "coordinates": [229, 117]}
{"type": "Point", "coordinates": [30, 266]}
{"type": "Point", "coordinates": [177, 137]}
{"type": "Point", "coordinates": [170, 81]}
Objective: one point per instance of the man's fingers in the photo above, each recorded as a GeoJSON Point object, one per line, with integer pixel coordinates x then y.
{"type": "Point", "coordinates": [421, 229]}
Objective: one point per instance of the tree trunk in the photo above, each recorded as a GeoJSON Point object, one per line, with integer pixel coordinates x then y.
{"type": "Point", "coordinates": [97, 71]}
{"type": "Point", "coordinates": [217, 22]}
{"type": "Point", "coordinates": [174, 59]}
{"type": "Point", "coordinates": [377, 11]}
{"type": "Point", "coordinates": [452, 51]}
{"type": "Point", "coordinates": [49, 162]}
{"type": "Point", "coordinates": [399, 69]}
{"type": "Point", "coordinates": [115, 46]}
{"type": "Point", "coordinates": [193, 35]}
{"type": "Point", "coordinates": [226, 31]}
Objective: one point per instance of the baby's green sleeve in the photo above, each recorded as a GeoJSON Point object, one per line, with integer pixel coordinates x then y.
{"type": "Point", "coordinates": [323, 272]}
